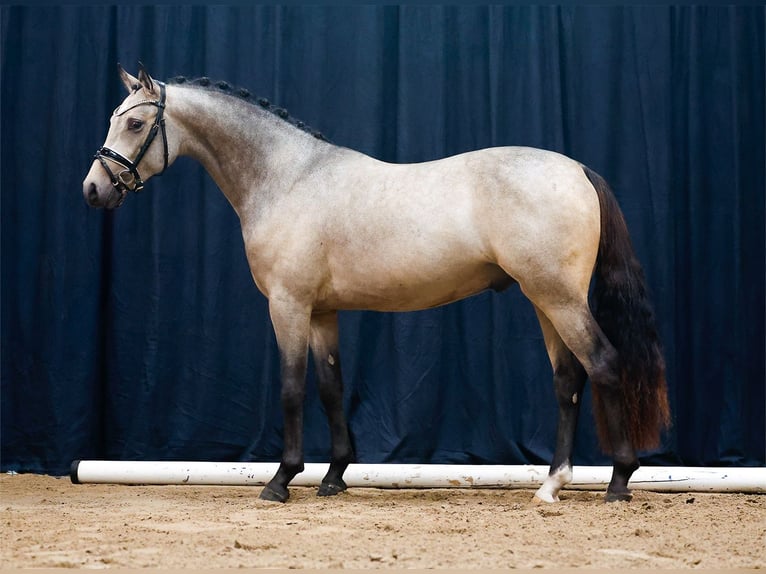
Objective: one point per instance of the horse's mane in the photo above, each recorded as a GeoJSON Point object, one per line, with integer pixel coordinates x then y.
{"type": "Point", "coordinates": [247, 96]}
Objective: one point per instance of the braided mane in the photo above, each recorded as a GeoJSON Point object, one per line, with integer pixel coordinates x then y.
{"type": "Point", "coordinates": [247, 96]}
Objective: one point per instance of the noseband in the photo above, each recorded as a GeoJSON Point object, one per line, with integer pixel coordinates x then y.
{"type": "Point", "coordinates": [129, 179]}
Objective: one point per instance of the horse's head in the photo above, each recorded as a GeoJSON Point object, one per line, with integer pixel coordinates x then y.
{"type": "Point", "coordinates": [137, 131]}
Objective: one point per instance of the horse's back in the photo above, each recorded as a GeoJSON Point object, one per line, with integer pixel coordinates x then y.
{"type": "Point", "coordinates": [504, 205]}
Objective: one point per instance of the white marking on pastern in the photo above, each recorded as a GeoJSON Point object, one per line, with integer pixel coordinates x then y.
{"type": "Point", "coordinates": [553, 483]}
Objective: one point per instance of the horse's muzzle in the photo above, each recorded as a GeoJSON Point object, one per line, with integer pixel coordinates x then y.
{"type": "Point", "coordinates": [110, 198]}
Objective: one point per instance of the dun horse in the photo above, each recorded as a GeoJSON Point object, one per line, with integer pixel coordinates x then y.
{"type": "Point", "coordinates": [327, 228]}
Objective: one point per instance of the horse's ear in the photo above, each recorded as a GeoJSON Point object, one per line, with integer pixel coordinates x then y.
{"type": "Point", "coordinates": [145, 78]}
{"type": "Point", "coordinates": [131, 83]}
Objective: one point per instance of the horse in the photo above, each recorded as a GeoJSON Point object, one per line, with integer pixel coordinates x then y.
{"type": "Point", "coordinates": [327, 228]}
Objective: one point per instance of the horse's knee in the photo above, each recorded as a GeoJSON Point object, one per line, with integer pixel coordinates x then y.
{"type": "Point", "coordinates": [568, 381]}
{"type": "Point", "coordinates": [292, 397]}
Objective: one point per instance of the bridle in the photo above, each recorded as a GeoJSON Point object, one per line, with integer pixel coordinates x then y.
{"type": "Point", "coordinates": [129, 179]}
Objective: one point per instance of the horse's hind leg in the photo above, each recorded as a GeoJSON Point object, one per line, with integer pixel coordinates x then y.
{"type": "Point", "coordinates": [569, 380]}
{"type": "Point", "coordinates": [324, 346]}
{"type": "Point", "coordinates": [579, 331]}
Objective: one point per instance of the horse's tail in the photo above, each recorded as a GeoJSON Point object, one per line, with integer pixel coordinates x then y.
{"type": "Point", "coordinates": [622, 309]}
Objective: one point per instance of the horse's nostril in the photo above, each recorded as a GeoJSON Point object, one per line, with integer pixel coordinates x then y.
{"type": "Point", "coordinates": [92, 193]}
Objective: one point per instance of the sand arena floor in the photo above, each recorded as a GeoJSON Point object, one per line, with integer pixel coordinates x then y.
{"type": "Point", "coordinates": [49, 522]}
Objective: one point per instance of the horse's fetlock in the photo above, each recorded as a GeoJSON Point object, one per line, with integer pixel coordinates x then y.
{"type": "Point", "coordinates": [626, 464]}
{"type": "Point", "coordinates": [292, 467]}
{"type": "Point", "coordinates": [344, 457]}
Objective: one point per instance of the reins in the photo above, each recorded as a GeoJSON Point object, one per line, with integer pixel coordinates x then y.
{"type": "Point", "coordinates": [128, 177]}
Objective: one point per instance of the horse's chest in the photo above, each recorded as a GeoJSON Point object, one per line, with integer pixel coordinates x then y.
{"type": "Point", "coordinates": [284, 258]}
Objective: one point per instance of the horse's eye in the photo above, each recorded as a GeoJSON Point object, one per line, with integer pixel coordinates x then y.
{"type": "Point", "coordinates": [134, 124]}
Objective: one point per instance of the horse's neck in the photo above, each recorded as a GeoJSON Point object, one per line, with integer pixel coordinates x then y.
{"type": "Point", "coordinates": [249, 152]}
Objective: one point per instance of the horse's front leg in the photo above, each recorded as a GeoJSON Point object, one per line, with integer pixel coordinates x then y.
{"type": "Point", "coordinates": [291, 327]}
{"type": "Point", "coordinates": [324, 347]}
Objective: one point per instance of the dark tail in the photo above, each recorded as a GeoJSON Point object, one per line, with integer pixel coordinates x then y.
{"type": "Point", "coordinates": [622, 309]}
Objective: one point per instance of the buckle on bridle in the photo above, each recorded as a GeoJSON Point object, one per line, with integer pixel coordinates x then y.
{"type": "Point", "coordinates": [127, 179]}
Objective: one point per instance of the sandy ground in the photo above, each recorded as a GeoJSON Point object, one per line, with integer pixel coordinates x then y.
{"type": "Point", "coordinates": [49, 522]}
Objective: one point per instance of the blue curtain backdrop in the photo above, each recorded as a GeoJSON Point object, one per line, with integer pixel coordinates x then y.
{"type": "Point", "coordinates": [139, 334]}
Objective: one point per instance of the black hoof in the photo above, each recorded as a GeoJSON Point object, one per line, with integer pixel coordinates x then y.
{"type": "Point", "coordinates": [331, 489]}
{"type": "Point", "coordinates": [625, 496]}
{"type": "Point", "coordinates": [274, 494]}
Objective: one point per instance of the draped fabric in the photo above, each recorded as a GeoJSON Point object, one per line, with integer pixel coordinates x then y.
{"type": "Point", "coordinates": [139, 333]}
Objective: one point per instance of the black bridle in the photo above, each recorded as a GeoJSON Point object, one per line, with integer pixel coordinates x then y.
{"type": "Point", "coordinates": [129, 179]}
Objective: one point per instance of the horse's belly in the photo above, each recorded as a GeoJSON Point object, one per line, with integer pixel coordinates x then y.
{"type": "Point", "coordinates": [420, 289]}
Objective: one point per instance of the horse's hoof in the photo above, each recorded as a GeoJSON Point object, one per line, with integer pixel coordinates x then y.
{"type": "Point", "coordinates": [537, 501]}
{"type": "Point", "coordinates": [331, 489]}
{"type": "Point", "coordinates": [625, 496]}
{"type": "Point", "coordinates": [272, 495]}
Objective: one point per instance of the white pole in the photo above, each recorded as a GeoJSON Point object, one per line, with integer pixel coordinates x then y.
{"type": "Point", "coordinates": [656, 478]}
